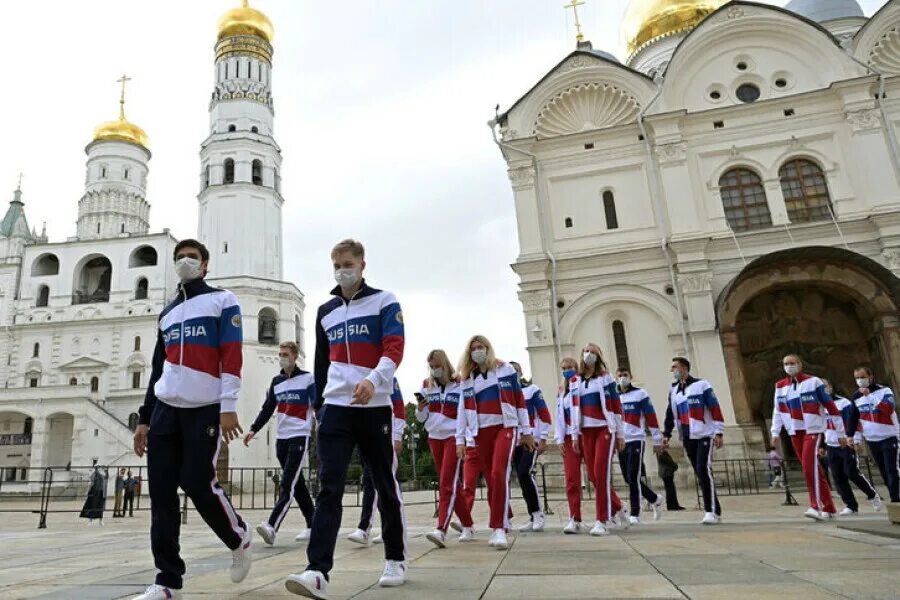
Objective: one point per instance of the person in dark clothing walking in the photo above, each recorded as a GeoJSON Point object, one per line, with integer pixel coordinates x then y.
{"type": "Point", "coordinates": [119, 489]}
{"type": "Point", "coordinates": [131, 485]}
{"type": "Point", "coordinates": [95, 503]}
{"type": "Point", "coordinates": [292, 392]}
{"type": "Point", "coordinates": [190, 409]}
{"type": "Point", "coordinates": [667, 467]}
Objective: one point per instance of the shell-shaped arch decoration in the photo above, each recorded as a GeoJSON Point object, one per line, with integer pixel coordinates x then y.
{"type": "Point", "coordinates": [885, 54]}
{"type": "Point", "coordinates": [585, 107]}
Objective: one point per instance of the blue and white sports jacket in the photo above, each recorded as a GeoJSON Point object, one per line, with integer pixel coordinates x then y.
{"type": "Point", "coordinates": [293, 396]}
{"type": "Point", "coordinates": [198, 355]}
{"type": "Point", "coordinates": [356, 339]}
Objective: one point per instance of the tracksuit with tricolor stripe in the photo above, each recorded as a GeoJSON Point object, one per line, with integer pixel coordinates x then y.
{"type": "Point", "coordinates": [802, 406]}
{"type": "Point", "coordinates": [844, 462]}
{"type": "Point", "coordinates": [699, 421]}
{"type": "Point", "coordinates": [358, 338]}
{"type": "Point", "coordinates": [196, 375]}
{"type": "Point", "coordinates": [369, 495]}
{"type": "Point", "coordinates": [599, 427]}
{"type": "Point", "coordinates": [292, 395]}
{"type": "Point", "coordinates": [638, 414]}
{"type": "Point", "coordinates": [878, 417]}
{"type": "Point", "coordinates": [568, 416]}
{"type": "Point", "coordinates": [445, 422]}
{"type": "Point", "coordinates": [524, 460]}
{"type": "Point", "coordinates": [495, 415]}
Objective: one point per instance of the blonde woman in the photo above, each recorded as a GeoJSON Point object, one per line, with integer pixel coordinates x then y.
{"type": "Point", "coordinates": [568, 415]}
{"type": "Point", "coordinates": [495, 417]}
{"type": "Point", "coordinates": [601, 433]}
{"type": "Point", "coordinates": [440, 409]}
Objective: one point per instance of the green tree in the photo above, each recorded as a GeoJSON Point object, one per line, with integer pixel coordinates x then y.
{"type": "Point", "coordinates": [424, 463]}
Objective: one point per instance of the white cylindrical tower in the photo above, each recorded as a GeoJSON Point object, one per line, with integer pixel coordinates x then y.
{"type": "Point", "coordinates": [115, 195]}
{"type": "Point", "coordinates": [240, 163]}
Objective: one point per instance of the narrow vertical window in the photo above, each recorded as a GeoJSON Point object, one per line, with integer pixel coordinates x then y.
{"type": "Point", "coordinates": [609, 207]}
{"type": "Point", "coordinates": [621, 345]}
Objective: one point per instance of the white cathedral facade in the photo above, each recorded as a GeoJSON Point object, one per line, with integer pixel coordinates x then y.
{"type": "Point", "coordinates": [78, 317]}
{"type": "Point", "coordinates": [730, 193]}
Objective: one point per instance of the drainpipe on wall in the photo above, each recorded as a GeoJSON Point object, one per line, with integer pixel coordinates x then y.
{"type": "Point", "coordinates": [655, 195]}
{"type": "Point", "coordinates": [545, 245]}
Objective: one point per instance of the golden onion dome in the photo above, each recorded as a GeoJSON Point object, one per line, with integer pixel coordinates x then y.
{"type": "Point", "coordinates": [245, 21]}
{"type": "Point", "coordinates": [121, 130]}
{"type": "Point", "coordinates": [646, 21]}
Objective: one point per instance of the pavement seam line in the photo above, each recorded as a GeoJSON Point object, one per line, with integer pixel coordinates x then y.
{"type": "Point", "coordinates": [649, 562]}
{"type": "Point", "coordinates": [499, 564]}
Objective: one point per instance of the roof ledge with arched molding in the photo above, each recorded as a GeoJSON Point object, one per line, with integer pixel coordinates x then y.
{"type": "Point", "coordinates": [739, 23]}
{"type": "Point", "coordinates": [873, 284]}
{"type": "Point", "coordinates": [877, 43]}
{"type": "Point", "coordinates": [635, 294]}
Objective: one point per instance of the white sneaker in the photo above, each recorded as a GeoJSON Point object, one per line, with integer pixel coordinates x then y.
{"type": "Point", "coordinates": [456, 526]}
{"type": "Point", "coordinates": [266, 532]}
{"type": "Point", "coordinates": [394, 573]}
{"type": "Point", "coordinates": [847, 512]}
{"type": "Point", "coordinates": [159, 592]}
{"type": "Point", "coordinates": [877, 503]}
{"type": "Point", "coordinates": [622, 518]}
{"type": "Point", "coordinates": [467, 535]}
{"type": "Point", "coordinates": [537, 521]}
{"type": "Point", "coordinates": [377, 539]}
{"type": "Point", "coordinates": [829, 516]}
{"type": "Point", "coordinates": [242, 558]}
{"type": "Point", "coordinates": [304, 535]}
{"type": "Point", "coordinates": [437, 537]}
{"type": "Point", "coordinates": [572, 527]}
{"type": "Point", "coordinates": [710, 518]}
{"type": "Point", "coordinates": [634, 520]}
{"type": "Point", "coordinates": [498, 540]}
{"type": "Point", "coordinates": [599, 529]}
{"type": "Point", "coordinates": [657, 508]}
{"type": "Point", "coordinates": [812, 513]}
{"type": "Point", "coordinates": [310, 584]}
{"type": "Point", "coordinates": [359, 537]}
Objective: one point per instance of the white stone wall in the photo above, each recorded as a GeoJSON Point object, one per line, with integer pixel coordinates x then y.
{"type": "Point", "coordinates": [826, 113]}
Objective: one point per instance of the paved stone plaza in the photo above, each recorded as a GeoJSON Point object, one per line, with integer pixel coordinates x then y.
{"type": "Point", "coordinates": [762, 550]}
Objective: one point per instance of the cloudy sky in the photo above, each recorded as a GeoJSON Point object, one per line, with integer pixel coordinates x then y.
{"type": "Point", "coordinates": [381, 111]}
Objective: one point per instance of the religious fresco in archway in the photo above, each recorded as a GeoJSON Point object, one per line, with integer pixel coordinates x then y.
{"type": "Point", "coordinates": [828, 330]}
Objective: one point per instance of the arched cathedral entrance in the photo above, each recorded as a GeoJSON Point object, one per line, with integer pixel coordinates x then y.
{"type": "Point", "coordinates": [833, 307]}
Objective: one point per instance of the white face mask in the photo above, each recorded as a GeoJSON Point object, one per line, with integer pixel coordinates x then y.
{"type": "Point", "coordinates": [285, 362]}
{"type": "Point", "coordinates": [187, 268]}
{"type": "Point", "coordinates": [791, 370]}
{"type": "Point", "coordinates": [862, 382]}
{"type": "Point", "coordinates": [676, 375]}
{"type": "Point", "coordinates": [624, 382]}
{"type": "Point", "coordinates": [346, 278]}
{"type": "Point", "coordinates": [589, 358]}
{"type": "Point", "coordinates": [437, 372]}
{"type": "Point", "coordinates": [479, 356]}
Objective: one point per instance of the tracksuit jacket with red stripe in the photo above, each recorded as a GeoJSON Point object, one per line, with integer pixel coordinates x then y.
{"type": "Point", "coordinates": [198, 355]}
{"type": "Point", "coordinates": [399, 410]}
{"type": "Point", "coordinates": [356, 339]}
{"type": "Point", "coordinates": [538, 413]}
{"type": "Point", "coordinates": [697, 408]}
{"type": "Point", "coordinates": [444, 415]}
{"type": "Point", "coordinates": [877, 413]}
{"type": "Point", "coordinates": [494, 398]}
{"type": "Point", "coordinates": [292, 395]}
{"type": "Point", "coordinates": [598, 404]}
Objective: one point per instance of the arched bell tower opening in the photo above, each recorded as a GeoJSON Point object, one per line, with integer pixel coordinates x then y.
{"type": "Point", "coordinates": [833, 307]}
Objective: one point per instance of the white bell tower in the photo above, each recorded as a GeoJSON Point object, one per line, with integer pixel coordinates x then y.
{"type": "Point", "coordinates": [240, 163]}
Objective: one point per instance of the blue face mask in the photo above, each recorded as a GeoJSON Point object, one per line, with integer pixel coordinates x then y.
{"type": "Point", "coordinates": [568, 374]}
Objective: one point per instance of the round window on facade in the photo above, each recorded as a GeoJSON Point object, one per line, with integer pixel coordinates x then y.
{"type": "Point", "coordinates": [741, 66]}
{"type": "Point", "coordinates": [781, 82]}
{"type": "Point", "coordinates": [747, 92]}
{"type": "Point", "coordinates": [715, 94]}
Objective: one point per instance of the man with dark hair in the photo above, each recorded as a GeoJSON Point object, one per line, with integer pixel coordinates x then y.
{"type": "Point", "coordinates": [359, 345]}
{"type": "Point", "coordinates": [700, 428]}
{"type": "Point", "coordinates": [189, 410]}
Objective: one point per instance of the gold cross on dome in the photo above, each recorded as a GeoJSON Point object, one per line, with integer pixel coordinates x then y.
{"type": "Point", "coordinates": [123, 80]}
{"type": "Point", "coordinates": [574, 4]}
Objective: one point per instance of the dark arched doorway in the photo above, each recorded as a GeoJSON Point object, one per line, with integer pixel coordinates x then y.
{"type": "Point", "coordinates": [831, 306]}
